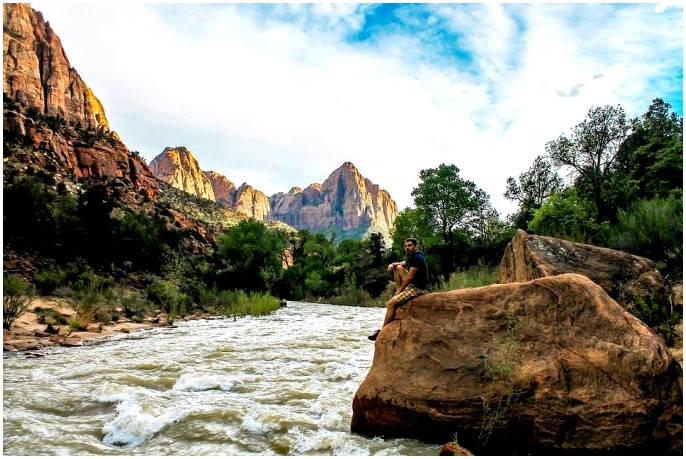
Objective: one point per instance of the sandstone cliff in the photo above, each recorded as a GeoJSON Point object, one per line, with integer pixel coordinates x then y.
{"type": "Point", "coordinates": [68, 157]}
{"type": "Point", "coordinates": [179, 168]}
{"type": "Point", "coordinates": [37, 72]}
{"type": "Point", "coordinates": [37, 75]}
{"type": "Point", "coordinates": [252, 202]}
{"type": "Point", "coordinates": [224, 189]}
{"type": "Point", "coordinates": [346, 202]}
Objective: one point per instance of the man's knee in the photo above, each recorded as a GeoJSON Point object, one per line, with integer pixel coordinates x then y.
{"type": "Point", "coordinates": [400, 269]}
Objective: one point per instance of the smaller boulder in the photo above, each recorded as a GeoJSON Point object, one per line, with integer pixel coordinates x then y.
{"type": "Point", "coordinates": [454, 449]}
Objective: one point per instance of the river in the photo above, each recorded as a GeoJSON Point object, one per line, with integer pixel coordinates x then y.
{"type": "Point", "coordinates": [281, 384]}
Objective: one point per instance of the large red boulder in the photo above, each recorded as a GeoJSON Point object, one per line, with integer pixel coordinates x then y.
{"type": "Point", "coordinates": [549, 366]}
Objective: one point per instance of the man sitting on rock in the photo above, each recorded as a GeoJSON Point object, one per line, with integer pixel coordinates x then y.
{"type": "Point", "coordinates": [411, 277]}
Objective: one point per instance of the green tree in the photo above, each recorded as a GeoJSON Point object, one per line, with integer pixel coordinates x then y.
{"type": "Point", "coordinates": [95, 206]}
{"type": "Point", "coordinates": [253, 256]}
{"type": "Point", "coordinates": [28, 213]}
{"type": "Point", "coordinates": [532, 189]}
{"type": "Point", "coordinates": [447, 203]}
{"type": "Point", "coordinates": [408, 223]}
{"type": "Point", "coordinates": [445, 199]}
{"type": "Point", "coordinates": [650, 161]}
{"type": "Point", "coordinates": [488, 233]}
{"type": "Point", "coordinates": [592, 150]}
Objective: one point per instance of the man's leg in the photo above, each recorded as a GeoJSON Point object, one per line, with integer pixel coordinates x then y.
{"type": "Point", "coordinates": [399, 274]}
{"type": "Point", "coordinates": [390, 311]}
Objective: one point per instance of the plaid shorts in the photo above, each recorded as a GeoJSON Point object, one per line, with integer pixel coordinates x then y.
{"type": "Point", "coordinates": [406, 295]}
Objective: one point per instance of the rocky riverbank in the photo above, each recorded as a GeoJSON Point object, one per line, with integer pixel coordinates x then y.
{"type": "Point", "coordinates": [27, 334]}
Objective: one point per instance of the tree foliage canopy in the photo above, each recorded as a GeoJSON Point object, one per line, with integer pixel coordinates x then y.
{"type": "Point", "coordinates": [592, 148]}
{"type": "Point", "coordinates": [445, 199]}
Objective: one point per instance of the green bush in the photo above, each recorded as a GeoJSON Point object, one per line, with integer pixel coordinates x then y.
{"type": "Point", "coordinates": [78, 324]}
{"type": "Point", "coordinates": [566, 215]}
{"type": "Point", "coordinates": [50, 317]}
{"type": "Point", "coordinates": [133, 304]}
{"type": "Point", "coordinates": [17, 296]}
{"type": "Point", "coordinates": [653, 228]}
{"type": "Point", "coordinates": [475, 276]}
{"type": "Point", "coordinates": [659, 317]}
{"type": "Point", "coordinates": [164, 293]}
{"type": "Point", "coordinates": [46, 282]}
{"type": "Point", "coordinates": [357, 297]}
{"type": "Point", "coordinates": [237, 303]}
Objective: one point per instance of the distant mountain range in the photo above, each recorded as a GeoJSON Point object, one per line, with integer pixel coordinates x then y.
{"type": "Point", "coordinates": [345, 203]}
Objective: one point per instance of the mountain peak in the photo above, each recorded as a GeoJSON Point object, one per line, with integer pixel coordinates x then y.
{"type": "Point", "coordinates": [38, 74]}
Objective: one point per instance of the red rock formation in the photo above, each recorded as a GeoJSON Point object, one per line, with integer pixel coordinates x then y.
{"type": "Point", "coordinates": [623, 276]}
{"type": "Point", "coordinates": [346, 201]}
{"type": "Point", "coordinates": [453, 449]}
{"type": "Point", "coordinates": [224, 189]}
{"type": "Point", "coordinates": [252, 202]}
{"type": "Point", "coordinates": [37, 72]}
{"type": "Point", "coordinates": [179, 168]}
{"type": "Point", "coordinates": [547, 367]}
{"type": "Point", "coordinates": [111, 161]}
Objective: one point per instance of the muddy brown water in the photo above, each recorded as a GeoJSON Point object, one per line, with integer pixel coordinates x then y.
{"type": "Point", "coordinates": [281, 384]}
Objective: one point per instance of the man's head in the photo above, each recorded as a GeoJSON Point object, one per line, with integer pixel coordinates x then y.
{"type": "Point", "coordinates": [410, 245]}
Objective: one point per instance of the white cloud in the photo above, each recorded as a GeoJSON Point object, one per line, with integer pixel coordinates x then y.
{"type": "Point", "coordinates": [282, 99]}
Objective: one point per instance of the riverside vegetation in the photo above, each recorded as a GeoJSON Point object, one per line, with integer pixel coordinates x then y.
{"type": "Point", "coordinates": [82, 239]}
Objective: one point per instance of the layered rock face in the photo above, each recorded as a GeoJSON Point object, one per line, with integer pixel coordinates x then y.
{"type": "Point", "coordinates": [252, 202]}
{"type": "Point", "coordinates": [623, 276]}
{"type": "Point", "coordinates": [550, 366]}
{"type": "Point", "coordinates": [224, 190]}
{"type": "Point", "coordinates": [345, 201]}
{"type": "Point", "coordinates": [99, 160]}
{"type": "Point", "coordinates": [37, 72]}
{"type": "Point", "coordinates": [179, 168]}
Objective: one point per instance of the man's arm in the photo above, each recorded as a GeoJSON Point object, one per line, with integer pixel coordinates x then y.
{"type": "Point", "coordinates": [392, 266]}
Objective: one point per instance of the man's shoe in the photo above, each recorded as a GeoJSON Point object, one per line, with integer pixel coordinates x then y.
{"type": "Point", "coordinates": [373, 337]}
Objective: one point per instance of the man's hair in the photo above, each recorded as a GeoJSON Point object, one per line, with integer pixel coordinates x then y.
{"type": "Point", "coordinates": [412, 240]}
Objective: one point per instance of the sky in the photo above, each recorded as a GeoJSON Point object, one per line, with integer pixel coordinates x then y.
{"type": "Point", "coordinates": [281, 95]}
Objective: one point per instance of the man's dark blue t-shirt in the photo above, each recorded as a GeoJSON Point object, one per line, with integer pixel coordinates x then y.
{"type": "Point", "coordinates": [421, 277]}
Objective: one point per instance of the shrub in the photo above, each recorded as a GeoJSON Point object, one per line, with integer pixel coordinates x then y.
{"type": "Point", "coordinates": [236, 303]}
{"type": "Point", "coordinates": [134, 304]}
{"type": "Point", "coordinates": [258, 304]}
{"type": "Point", "coordinates": [657, 316]}
{"type": "Point", "coordinates": [475, 276]}
{"type": "Point", "coordinates": [17, 296]}
{"type": "Point", "coordinates": [46, 282]}
{"type": "Point", "coordinates": [49, 317]}
{"type": "Point", "coordinates": [357, 297]}
{"type": "Point", "coordinates": [164, 293]}
{"type": "Point", "coordinates": [102, 314]}
{"type": "Point", "coordinates": [79, 323]}
{"type": "Point", "coordinates": [653, 228]}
